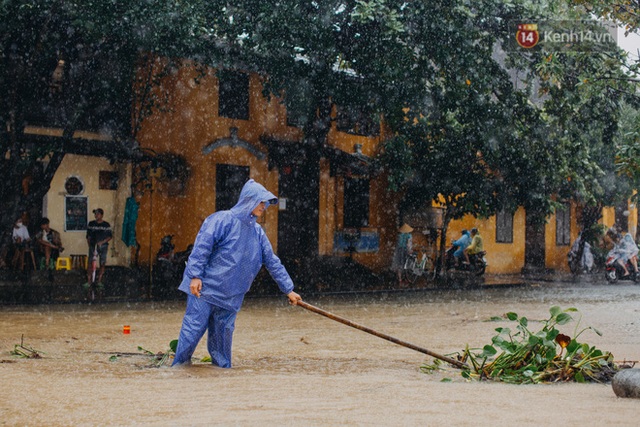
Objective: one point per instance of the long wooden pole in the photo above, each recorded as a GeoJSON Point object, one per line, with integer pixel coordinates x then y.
{"type": "Point", "coordinates": [347, 322]}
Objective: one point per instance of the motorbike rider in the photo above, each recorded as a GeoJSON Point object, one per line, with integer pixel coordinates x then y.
{"type": "Point", "coordinates": [461, 244]}
{"type": "Point", "coordinates": [476, 245]}
{"type": "Point", "coordinates": [587, 260]}
{"type": "Point", "coordinates": [624, 249]}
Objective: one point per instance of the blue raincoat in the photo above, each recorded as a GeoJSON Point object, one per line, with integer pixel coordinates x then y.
{"type": "Point", "coordinates": [228, 252]}
{"type": "Point", "coordinates": [462, 243]}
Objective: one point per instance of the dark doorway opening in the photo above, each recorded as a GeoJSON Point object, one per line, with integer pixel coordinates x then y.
{"type": "Point", "coordinates": [534, 246]}
{"type": "Point", "coordinates": [298, 217]}
{"type": "Point", "coordinates": [229, 182]}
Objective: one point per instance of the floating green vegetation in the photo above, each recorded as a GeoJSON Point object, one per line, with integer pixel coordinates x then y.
{"type": "Point", "coordinates": [520, 356]}
{"type": "Point", "coordinates": [157, 359]}
{"type": "Point", "coordinates": [25, 351]}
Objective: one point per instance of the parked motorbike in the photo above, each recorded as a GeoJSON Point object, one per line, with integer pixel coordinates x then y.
{"type": "Point", "coordinates": [613, 270]}
{"type": "Point", "coordinates": [585, 263]}
{"type": "Point", "coordinates": [168, 268]}
{"type": "Point", "coordinates": [477, 262]}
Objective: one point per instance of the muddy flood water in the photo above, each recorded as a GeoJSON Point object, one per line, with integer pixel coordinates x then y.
{"type": "Point", "coordinates": [294, 367]}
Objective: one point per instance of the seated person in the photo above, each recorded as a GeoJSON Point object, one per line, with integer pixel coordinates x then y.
{"type": "Point", "coordinates": [460, 245]}
{"type": "Point", "coordinates": [21, 240]}
{"type": "Point", "coordinates": [49, 242]}
{"type": "Point", "coordinates": [476, 245]}
{"type": "Point", "coordinates": [624, 250]}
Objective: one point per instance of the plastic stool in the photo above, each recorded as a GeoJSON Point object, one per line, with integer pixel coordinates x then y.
{"type": "Point", "coordinates": [63, 263]}
{"type": "Point", "coordinates": [79, 262]}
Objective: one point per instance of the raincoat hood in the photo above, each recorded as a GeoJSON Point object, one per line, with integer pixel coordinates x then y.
{"type": "Point", "coordinates": [252, 195]}
{"type": "Point", "coordinates": [229, 251]}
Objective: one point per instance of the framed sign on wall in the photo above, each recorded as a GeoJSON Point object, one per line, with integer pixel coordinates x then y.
{"type": "Point", "coordinates": [75, 217]}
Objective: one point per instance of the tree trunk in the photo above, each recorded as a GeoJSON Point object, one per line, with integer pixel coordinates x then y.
{"type": "Point", "coordinates": [441, 264]}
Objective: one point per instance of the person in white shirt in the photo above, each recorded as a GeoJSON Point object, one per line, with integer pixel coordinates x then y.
{"type": "Point", "coordinates": [20, 234]}
{"type": "Point", "coordinates": [21, 240]}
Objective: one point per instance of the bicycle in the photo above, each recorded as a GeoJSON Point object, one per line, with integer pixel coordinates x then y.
{"type": "Point", "coordinates": [415, 267]}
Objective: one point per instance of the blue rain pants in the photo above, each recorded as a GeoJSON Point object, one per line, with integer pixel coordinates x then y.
{"type": "Point", "coordinates": [199, 317]}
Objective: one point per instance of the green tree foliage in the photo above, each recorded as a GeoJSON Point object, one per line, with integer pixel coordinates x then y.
{"type": "Point", "coordinates": [347, 53]}
{"type": "Point", "coordinates": [485, 143]}
{"type": "Point", "coordinates": [71, 65]}
{"type": "Point", "coordinates": [440, 72]}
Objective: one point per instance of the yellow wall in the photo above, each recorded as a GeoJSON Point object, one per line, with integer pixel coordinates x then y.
{"type": "Point", "coordinates": [192, 123]}
{"type": "Point", "coordinates": [111, 201]}
{"type": "Point", "coordinates": [556, 255]}
{"type": "Point", "coordinates": [502, 258]}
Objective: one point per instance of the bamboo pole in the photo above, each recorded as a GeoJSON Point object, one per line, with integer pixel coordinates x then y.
{"type": "Point", "coordinates": [347, 322]}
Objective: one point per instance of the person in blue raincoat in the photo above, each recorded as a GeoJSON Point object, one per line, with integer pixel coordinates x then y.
{"type": "Point", "coordinates": [460, 245]}
{"type": "Point", "coordinates": [228, 252]}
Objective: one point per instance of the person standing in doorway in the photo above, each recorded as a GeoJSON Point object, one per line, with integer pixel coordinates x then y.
{"type": "Point", "coordinates": [99, 234]}
{"type": "Point", "coordinates": [228, 252]}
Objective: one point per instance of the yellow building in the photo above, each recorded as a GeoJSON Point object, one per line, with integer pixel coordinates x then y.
{"type": "Point", "coordinates": [81, 184]}
{"type": "Point", "coordinates": [228, 132]}
{"type": "Point", "coordinates": [331, 201]}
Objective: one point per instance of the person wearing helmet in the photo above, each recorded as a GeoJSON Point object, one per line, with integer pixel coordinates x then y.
{"type": "Point", "coordinates": [476, 246]}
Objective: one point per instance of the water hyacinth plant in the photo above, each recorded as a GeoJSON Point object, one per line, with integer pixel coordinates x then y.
{"type": "Point", "coordinates": [158, 359]}
{"type": "Point", "coordinates": [25, 351]}
{"type": "Point", "coordinates": [543, 356]}
{"type": "Point", "coordinates": [520, 356]}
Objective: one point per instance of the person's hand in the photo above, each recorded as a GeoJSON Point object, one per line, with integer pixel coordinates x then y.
{"type": "Point", "coordinates": [196, 287]}
{"type": "Point", "coordinates": [293, 298]}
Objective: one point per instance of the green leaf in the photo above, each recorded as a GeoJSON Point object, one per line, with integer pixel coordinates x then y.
{"type": "Point", "coordinates": [534, 340]}
{"type": "Point", "coordinates": [550, 353]}
{"type": "Point", "coordinates": [448, 380]}
{"type": "Point", "coordinates": [563, 318]}
{"type": "Point", "coordinates": [505, 345]}
{"type": "Point", "coordinates": [524, 322]}
{"type": "Point", "coordinates": [573, 346]}
{"type": "Point", "coordinates": [512, 316]}
{"type": "Point", "coordinates": [579, 377]}
{"type": "Point", "coordinates": [488, 351]}
{"type": "Point", "coordinates": [173, 345]}
{"type": "Point", "coordinates": [552, 334]}
{"type": "Point", "coordinates": [555, 311]}
{"type": "Point", "coordinates": [503, 331]}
